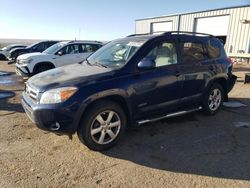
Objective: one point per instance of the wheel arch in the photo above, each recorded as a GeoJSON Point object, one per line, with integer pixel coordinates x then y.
{"type": "Point", "coordinates": [118, 98]}
{"type": "Point", "coordinates": [223, 82]}
{"type": "Point", "coordinates": [42, 64]}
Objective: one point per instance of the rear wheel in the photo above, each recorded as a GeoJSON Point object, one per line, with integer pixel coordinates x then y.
{"type": "Point", "coordinates": [102, 125]}
{"type": "Point", "coordinates": [213, 99]}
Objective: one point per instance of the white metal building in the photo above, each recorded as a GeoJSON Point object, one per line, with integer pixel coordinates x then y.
{"type": "Point", "coordinates": [232, 25]}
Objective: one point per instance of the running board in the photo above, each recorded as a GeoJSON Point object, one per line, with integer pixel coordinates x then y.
{"type": "Point", "coordinates": [169, 115]}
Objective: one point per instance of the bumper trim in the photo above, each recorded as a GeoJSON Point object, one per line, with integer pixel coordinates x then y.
{"type": "Point", "coordinates": [21, 73]}
{"type": "Point", "coordinates": [231, 82]}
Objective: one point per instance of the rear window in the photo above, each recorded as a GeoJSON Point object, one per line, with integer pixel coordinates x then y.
{"type": "Point", "coordinates": [192, 52]}
{"type": "Point", "coordinates": [213, 49]}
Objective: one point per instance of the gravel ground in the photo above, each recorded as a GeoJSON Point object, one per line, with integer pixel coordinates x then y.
{"type": "Point", "coordinates": [189, 151]}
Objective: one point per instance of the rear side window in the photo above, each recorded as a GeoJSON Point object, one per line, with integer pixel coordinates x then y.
{"type": "Point", "coordinates": [213, 49]}
{"type": "Point", "coordinates": [89, 48]}
{"type": "Point", "coordinates": [192, 52]}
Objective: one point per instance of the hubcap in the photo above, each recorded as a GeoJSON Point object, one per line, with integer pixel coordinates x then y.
{"type": "Point", "coordinates": [214, 100]}
{"type": "Point", "coordinates": [105, 127]}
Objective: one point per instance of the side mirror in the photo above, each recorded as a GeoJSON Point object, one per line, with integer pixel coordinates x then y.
{"type": "Point", "coordinates": [60, 53]}
{"type": "Point", "coordinates": [146, 64]}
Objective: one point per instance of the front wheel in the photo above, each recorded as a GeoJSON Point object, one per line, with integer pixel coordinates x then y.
{"type": "Point", "coordinates": [213, 99]}
{"type": "Point", "coordinates": [42, 68]}
{"type": "Point", "coordinates": [2, 57]}
{"type": "Point", "coordinates": [102, 125]}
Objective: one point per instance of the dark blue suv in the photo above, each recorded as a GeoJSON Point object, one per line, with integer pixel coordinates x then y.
{"type": "Point", "coordinates": [133, 80]}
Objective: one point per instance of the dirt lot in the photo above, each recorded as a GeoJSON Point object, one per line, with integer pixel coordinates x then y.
{"type": "Point", "coordinates": [188, 151]}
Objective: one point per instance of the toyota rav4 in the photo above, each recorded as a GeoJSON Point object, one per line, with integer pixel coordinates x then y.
{"type": "Point", "coordinates": [129, 81]}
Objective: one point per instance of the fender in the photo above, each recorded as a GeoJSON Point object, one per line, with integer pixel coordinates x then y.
{"type": "Point", "coordinates": [222, 79]}
{"type": "Point", "coordinates": [110, 94]}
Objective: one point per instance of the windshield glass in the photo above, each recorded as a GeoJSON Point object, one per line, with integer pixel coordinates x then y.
{"type": "Point", "coordinates": [115, 54]}
{"type": "Point", "coordinates": [54, 48]}
{"type": "Point", "coordinates": [30, 46]}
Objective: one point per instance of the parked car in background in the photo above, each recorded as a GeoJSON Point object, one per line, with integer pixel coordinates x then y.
{"type": "Point", "coordinates": [133, 80]}
{"type": "Point", "coordinates": [5, 52]}
{"type": "Point", "coordinates": [60, 54]}
{"type": "Point", "coordinates": [37, 47]}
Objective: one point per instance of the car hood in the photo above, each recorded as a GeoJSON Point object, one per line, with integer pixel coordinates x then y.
{"type": "Point", "coordinates": [31, 55]}
{"type": "Point", "coordinates": [71, 75]}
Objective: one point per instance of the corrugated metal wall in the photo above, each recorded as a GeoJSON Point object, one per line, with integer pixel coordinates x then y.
{"type": "Point", "coordinates": [238, 37]}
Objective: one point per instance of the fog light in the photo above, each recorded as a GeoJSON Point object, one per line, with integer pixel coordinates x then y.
{"type": "Point", "coordinates": [55, 127]}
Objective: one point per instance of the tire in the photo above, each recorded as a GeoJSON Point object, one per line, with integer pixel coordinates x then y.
{"type": "Point", "coordinates": [97, 120]}
{"type": "Point", "coordinates": [42, 68]}
{"type": "Point", "coordinates": [2, 57]}
{"type": "Point", "coordinates": [213, 99]}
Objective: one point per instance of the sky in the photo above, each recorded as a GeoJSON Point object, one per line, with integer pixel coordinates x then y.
{"type": "Point", "coordinates": [89, 19]}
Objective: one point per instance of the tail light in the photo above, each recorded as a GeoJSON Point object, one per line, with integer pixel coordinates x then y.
{"type": "Point", "coordinates": [230, 61]}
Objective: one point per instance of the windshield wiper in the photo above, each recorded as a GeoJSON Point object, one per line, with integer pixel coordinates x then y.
{"type": "Point", "coordinates": [99, 64]}
{"type": "Point", "coordinates": [85, 61]}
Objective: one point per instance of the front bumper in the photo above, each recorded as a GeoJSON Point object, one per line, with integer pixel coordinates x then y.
{"type": "Point", "coordinates": [57, 118]}
{"type": "Point", "coordinates": [231, 82]}
{"type": "Point", "coordinates": [23, 71]}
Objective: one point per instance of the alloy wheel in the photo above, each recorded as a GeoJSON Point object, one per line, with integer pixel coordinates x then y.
{"type": "Point", "coordinates": [105, 127]}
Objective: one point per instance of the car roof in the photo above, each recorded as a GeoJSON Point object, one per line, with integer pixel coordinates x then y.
{"type": "Point", "coordinates": [171, 34]}
{"type": "Point", "coordinates": [81, 42]}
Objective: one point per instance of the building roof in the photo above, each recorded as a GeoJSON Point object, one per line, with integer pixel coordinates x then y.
{"type": "Point", "coordinates": [233, 7]}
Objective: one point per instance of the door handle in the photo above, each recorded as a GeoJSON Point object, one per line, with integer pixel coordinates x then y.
{"type": "Point", "coordinates": [177, 73]}
{"type": "Point", "coordinates": [211, 67]}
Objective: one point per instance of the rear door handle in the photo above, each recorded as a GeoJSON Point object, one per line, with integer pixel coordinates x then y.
{"type": "Point", "coordinates": [177, 73]}
{"type": "Point", "coordinates": [211, 68]}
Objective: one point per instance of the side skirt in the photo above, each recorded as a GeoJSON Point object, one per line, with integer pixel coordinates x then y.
{"type": "Point", "coordinates": [168, 116]}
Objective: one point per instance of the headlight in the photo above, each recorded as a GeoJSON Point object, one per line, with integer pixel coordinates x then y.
{"type": "Point", "coordinates": [57, 95]}
{"type": "Point", "coordinates": [24, 61]}
{"type": "Point", "coordinates": [29, 61]}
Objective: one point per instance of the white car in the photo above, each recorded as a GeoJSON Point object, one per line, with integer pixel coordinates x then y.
{"type": "Point", "coordinates": [4, 52]}
{"type": "Point", "coordinates": [60, 54]}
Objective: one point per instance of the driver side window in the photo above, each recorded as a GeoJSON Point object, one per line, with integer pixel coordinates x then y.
{"type": "Point", "coordinates": [70, 49]}
{"type": "Point", "coordinates": [163, 54]}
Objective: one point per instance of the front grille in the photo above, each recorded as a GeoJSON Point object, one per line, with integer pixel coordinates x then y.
{"type": "Point", "coordinates": [31, 92]}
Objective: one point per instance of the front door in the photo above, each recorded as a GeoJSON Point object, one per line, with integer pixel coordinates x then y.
{"type": "Point", "coordinates": [157, 91]}
{"type": "Point", "coordinates": [68, 55]}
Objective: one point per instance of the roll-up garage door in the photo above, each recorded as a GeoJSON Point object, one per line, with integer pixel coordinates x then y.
{"type": "Point", "coordinates": [216, 25]}
{"type": "Point", "coordinates": [161, 27]}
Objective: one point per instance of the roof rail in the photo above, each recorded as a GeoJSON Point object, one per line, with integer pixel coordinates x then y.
{"type": "Point", "coordinates": [133, 35]}
{"type": "Point", "coordinates": [186, 32]}
{"type": "Point", "coordinates": [72, 41]}
{"type": "Point", "coordinates": [171, 32]}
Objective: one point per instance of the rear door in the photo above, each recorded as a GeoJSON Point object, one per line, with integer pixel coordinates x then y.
{"type": "Point", "coordinates": [193, 73]}
{"type": "Point", "coordinates": [86, 50]}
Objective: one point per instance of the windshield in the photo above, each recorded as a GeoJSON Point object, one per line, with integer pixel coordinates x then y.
{"type": "Point", "coordinates": [30, 46]}
{"type": "Point", "coordinates": [54, 48]}
{"type": "Point", "coordinates": [115, 54]}
{"type": "Point", "coordinates": [7, 48]}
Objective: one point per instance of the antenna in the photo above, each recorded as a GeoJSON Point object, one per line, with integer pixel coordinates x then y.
{"type": "Point", "coordinates": [79, 34]}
